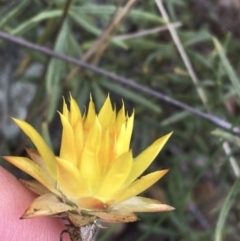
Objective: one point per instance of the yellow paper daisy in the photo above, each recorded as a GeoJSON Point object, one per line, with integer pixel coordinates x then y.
{"type": "Point", "coordinates": [95, 175]}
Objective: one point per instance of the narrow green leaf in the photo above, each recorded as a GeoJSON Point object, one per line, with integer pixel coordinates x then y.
{"type": "Point", "coordinates": [128, 94]}
{"type": "Point", "coordinates": [228, 67]}
{"type": "Point", "coordinates": [25, 26]}
{"type": "Point", "coordinates": [46, 135]}
{"type": "Point", "coordinates": [110, 9]}
{"type": "Point", "coordinates": [227, 136]}
{"type": "Point", "coordinates": [13, 13]}
{"type": "Point", "coordinates": [225, 210]}
{"type": "Point", "coordinates": [179, 116]}
{"type": "Point", "coordinates": [85, 23]}
{"type": "Point", "coordinates": [56, 69]}
{"type": "Point", "coordinates": [98, 94]}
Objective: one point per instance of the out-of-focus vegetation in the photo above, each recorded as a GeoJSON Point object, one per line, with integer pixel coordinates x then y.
{"type": "Point", "coordinates": [203, 180]}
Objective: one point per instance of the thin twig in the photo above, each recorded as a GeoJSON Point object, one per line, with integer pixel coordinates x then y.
{"type": "Point", "coordinates": [145, 32]}
{"type": "Point", "coordinates": [101, 43]}
{"type": "Point", "coordinates": [130, 83]}
{"type": "Point", "coordinates": [115, 23]}
{"type": "Point", "coordinates": [182, 52]}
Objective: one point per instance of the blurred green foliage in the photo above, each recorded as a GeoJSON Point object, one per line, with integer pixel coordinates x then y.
{"type": "Point", "coordinates": [201, 174]}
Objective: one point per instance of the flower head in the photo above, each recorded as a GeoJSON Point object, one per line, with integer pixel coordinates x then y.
{"type": "Point", "coordinates": [95, 175]}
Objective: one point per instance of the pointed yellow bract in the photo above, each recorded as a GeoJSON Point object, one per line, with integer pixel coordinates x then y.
{"type": "Point", "coordinates": [40, 144]}
{"type": "Point", "coordinates": [75, 113]}
{"type": "Point", "coordinates": [106, 114]}
{"type": "Point", "coordinates": [142, 161]}
{"type": "Point", "coordinates": [68, 146]}
{"type": "Point", "coordinates": [70, 179]}
{"type": "Point", "coordinates": [95, 174]}
{"type": "Point", "coordinates": [34, 170]}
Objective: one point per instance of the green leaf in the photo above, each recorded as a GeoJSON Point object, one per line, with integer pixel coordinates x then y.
{"type": "Point", "coordinates": [56, 69]}
{"type": "Point", "coordinates": [13, 14]}
{"type": "Point", "coordinates": [227, 136]}
{"type": "Point", "coordinates": [193, 38]}
{"type": "Point", "coordinates": [98, 94]}
{"type": "Point", "coordinates": [110, 9]}
{"type": "Point", "coordinates": [25, 26]}
{"type": "Point", "coordinates": [175, 118]}
{"type": "Point", "coordinates": [85, 23]}
{"type": "Point", "coordinates": [228, 67]}
{"type": "Point", "coordinates": [46, 135]}
{"type": "Point", "coordinates": [131, 95]}
{"type": "Point", "coordinates": [225, 210]}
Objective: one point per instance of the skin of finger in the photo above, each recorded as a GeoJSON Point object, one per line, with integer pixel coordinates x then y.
{"type": "Point", "coordinates": [14, 200]}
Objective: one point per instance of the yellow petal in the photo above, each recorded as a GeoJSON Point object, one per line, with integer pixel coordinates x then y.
{"type": "Point", "coordinates": [106, 113]}
{"type": "Point", "coordinates": [70, 180]}
{"type": "Point", "coordinates": [107, 152]}
{"type": "Point", "coordinates": [121, 140]}
{"type": "Point", "coordinates": [89, 165]}
{"type": "Point", "coordinates": [68, 148]}
{"type": "Point", "coordinates": [45, 205]}
{"type": "Point", "coordinates": [41, 145]}
{"type": "Point", "coordinates": [143, 160]}
{"type": "Point", "coordinates": [116, 176]}
{"type": "Point", "coordinates": [79, 140]}
{"type": "Point", "coordinates": [90, 116]}
{"type": "Point", "coordinates": [139, 186]}
{"type": "Point", "coordinates": [142, 204]}
{"type": "Point", "coordinates": [121, 118]}
{"type": "Point", "coordinates": [124, 132]}
{"type": "Point", "coordinates": [33, 170]}
{"type": "Point", "coordinates": [65, 111]}
{"type": "Point", "coordinates": [75, 113]}
{"type": "Point", "coordinates": [35, 186]}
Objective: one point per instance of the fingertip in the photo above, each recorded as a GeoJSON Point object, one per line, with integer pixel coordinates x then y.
{"type": "Point", "coordinates": [14, 200]}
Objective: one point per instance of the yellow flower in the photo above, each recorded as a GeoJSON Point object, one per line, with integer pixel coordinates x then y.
{"type": "Point", "coordinates": [95, 175]}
